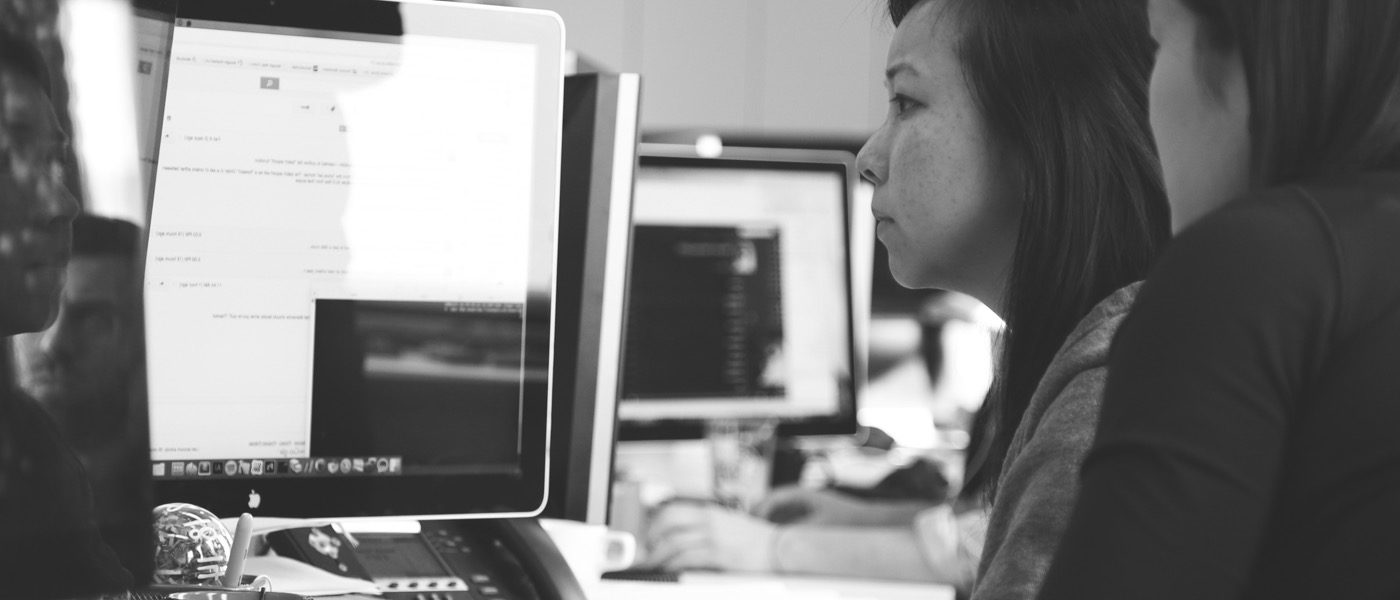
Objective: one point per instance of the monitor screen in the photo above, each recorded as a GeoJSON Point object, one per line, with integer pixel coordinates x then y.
{"type": "Point", "coordinates": [739, 298]}
{"type": "Point", "coordinates": [350, 270]}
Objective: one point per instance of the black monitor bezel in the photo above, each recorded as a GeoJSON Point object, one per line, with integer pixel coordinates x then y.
{"type": "Point", "coordinates": [844, 421]}
{"type": "Point", "coordinates": [521, 493]}
{"type": "Point", "coordinates": [598, 161]}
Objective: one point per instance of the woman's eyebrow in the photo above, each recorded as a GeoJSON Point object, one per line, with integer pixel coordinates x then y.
{"type": "Point", "coordinates": [899, 67]}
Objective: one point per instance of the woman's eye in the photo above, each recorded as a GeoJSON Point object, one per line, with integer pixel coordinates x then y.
{"type": "Point", "coordinates": [901, 103]}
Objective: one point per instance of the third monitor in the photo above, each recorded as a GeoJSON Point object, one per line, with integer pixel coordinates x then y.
{"type": "Point", "coordinates": [739, 293]}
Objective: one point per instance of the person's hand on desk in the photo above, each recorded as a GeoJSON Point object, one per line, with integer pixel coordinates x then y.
{"type": "Point", "coordinates": [692, 536]}
{"type": "Point", "coordinates": [701, 536]}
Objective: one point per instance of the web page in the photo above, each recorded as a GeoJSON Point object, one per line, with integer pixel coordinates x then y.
{"type": "Point", "coordinates": [298, 169]}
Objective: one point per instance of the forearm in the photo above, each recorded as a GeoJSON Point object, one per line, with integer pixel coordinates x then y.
{"type": "Point", "coordinates": [887, 513]}
{"type": "Point", "coordinates": [874, 552]}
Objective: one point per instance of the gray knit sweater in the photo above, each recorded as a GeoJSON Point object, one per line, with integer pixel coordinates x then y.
{"type": "Point", "coordinates": [1040, 478]}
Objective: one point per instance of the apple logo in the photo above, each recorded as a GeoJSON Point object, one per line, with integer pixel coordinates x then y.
{"type": "Point", "coordinates": [254, 499]}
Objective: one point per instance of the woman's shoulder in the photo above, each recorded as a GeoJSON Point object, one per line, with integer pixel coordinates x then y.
{"type": "Point", "coordinates": [1324, 243]}
{"type": "Point", "coordinates": [1073, 382]}
{"type": "Point", "coordinates": [1087, 345]}
{"type": "Point", "coordinates": [1376, 192]}
{"type": "Point", "coordinates": [1268, 244]}
{"type": "Point", "coordinates": [1304, 217]}
{"type": "Point", "coordinates": [1361, 215]}
{"type": "Point", "coordinates": [1272, 219]}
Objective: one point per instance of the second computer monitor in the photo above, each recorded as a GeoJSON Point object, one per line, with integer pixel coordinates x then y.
{"type": "Point", "coordinates": [739, 302]}
{"type": "Point", "coordinates": [597, 163]}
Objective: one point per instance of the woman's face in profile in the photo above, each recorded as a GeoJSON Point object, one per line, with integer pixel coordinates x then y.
{"type": "Point", "coordinates": [942, 202]}
{"type": "Point", "coordinates": [1198, 102]}
{"type": "Point", "coordinates": [36, 210]}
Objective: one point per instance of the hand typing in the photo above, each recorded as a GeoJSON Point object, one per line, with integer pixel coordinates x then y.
{"type": "Point", "coordinates": [689, 536]}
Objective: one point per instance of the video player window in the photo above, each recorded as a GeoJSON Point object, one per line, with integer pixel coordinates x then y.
{"type": "Point", "coordinates": [397, 379]}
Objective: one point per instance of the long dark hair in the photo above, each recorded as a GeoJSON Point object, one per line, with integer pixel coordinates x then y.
{"type": "Point", "coordinates": [21, 58]}
{"type": "Point", "coordinates": [1324, 82]}
{"type": "Point", "coordinates": [1063, 87]}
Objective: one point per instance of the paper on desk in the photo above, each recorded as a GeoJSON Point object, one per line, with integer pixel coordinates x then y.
{"type": "Point", "coordinates": [289, 575]}
{"type": "Point", "coordinates": [769, 589]}
{"type": "Point", "coordinates": [754, 585]}
{"type": "Point", "coordinates": [867, 589]}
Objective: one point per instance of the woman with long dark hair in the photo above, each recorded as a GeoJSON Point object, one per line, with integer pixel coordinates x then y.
{"type": "Point", "coordinates": [1015, 165]}
{"type": "Point", "coordinates": [1248, 445]}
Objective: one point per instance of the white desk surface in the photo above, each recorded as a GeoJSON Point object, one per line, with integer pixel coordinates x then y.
{"type": "Point", "coordinates": [723, 586]}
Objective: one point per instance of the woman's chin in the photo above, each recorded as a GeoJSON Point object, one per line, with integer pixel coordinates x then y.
{"type": "Point", "coordinates": [909, 277]}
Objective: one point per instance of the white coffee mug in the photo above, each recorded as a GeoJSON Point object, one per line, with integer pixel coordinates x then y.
{"type": "Point", "coordinates": [591, 550]}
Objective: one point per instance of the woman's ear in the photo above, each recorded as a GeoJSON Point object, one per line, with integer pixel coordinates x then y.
{"type": "Point", "coordinates": [1221, 68]}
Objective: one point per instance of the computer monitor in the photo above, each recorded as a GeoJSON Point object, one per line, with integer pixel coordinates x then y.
{"type": "Point", "coordinates": [599, 156]}
{"type": "Point", "coordinates": [351, 266]}
{"type": "Point", "coordinates": [884, 295]}
{"type": "Point", "coordinates": [739, 295]}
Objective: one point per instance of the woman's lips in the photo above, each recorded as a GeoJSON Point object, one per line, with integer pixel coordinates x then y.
{"type": "Point", "coordinates": [43, 276]}
{"type": "Point", "coordinates": [46, 271]}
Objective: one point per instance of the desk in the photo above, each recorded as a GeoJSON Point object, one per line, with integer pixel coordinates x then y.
{"type": "Point", "coordinates": [722, 586]}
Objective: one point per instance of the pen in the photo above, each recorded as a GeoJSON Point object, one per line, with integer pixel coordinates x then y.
{"type": "Point", "coordinates": [238, 552]}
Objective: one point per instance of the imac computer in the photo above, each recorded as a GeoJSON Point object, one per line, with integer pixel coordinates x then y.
{"type": "Point", "coordinates": [739, 293]}
{"type": "Point", "coordinates": [599, 157]}
{"type": "Point", "coordinates": [350, 275]}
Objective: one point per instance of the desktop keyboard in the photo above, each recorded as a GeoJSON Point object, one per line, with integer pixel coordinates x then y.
{"type": "Point", "coordinates": [163, 592]}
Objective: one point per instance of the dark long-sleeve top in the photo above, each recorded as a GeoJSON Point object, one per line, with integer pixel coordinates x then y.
{"type": "Point", "coordinates": [1249, 443]}
{"type": "Point", "coordinates": [50, 545]}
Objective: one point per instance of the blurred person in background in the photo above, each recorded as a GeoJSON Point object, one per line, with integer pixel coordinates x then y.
{"type": "Point", "coordinates": [85, 368]}
{"type": "Point", "coordinates": [49, 542]}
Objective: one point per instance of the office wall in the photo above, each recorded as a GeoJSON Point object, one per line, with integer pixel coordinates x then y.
{"type": "Point", "coordinates": [779, 67]}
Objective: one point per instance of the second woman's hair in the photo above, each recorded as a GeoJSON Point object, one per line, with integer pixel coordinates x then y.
{"type": "Point", "coordinates": [1323, 78]}
{"type": "Point", "coordinates": [1062, 85]}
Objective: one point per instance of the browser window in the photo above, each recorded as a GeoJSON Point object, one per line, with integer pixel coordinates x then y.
{"type": "Point", "coordinates": [297, 170]}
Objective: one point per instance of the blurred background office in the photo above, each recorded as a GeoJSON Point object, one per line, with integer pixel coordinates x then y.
{"type": "Point", "coordinates": [808, 69]}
